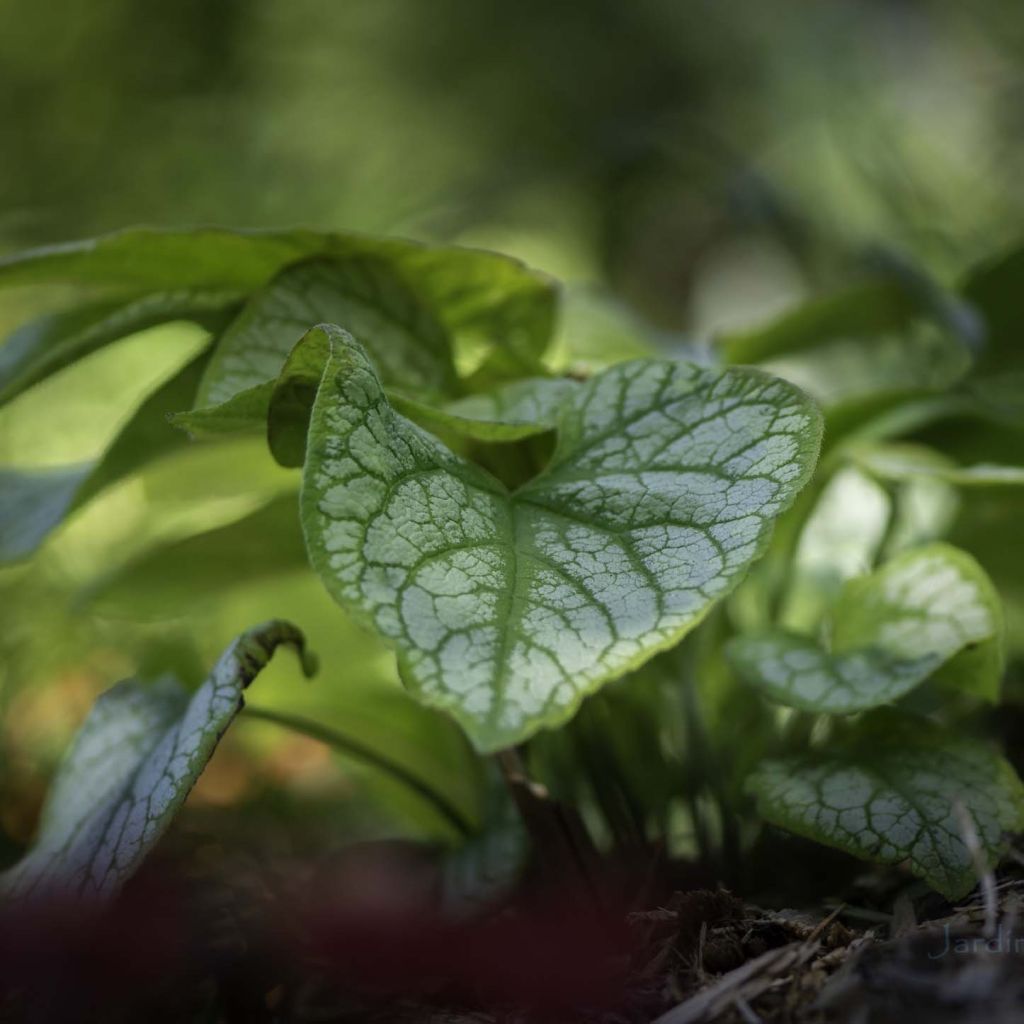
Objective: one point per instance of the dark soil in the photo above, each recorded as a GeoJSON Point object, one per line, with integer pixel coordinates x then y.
{"type": "Point", "coordinates": [207, 935]}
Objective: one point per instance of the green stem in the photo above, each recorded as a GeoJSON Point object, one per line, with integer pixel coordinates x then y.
{"type": "Point", "coordinates": [354, 748]}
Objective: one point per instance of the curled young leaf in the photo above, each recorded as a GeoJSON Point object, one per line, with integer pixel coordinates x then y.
{"type": "Point", "coordinates": [891, 630]}
{"type": "Point", "coordinates": [507, 608]}
{"type": "Point", "coordinates": [898, 789]}
{"type": "Point", "coordinates": [130, 768]}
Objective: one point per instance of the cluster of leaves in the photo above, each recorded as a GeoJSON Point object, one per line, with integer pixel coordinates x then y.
{"type": "Point", "coordinates": [522, 537]}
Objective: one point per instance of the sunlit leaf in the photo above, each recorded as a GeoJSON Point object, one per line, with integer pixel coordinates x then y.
{"type": "Point", "coordinates": [596, 331]}
{"type": "Point", "coordinates": [244, 413]}
{"type": "Point", "coordinates": [196, 570]}
{"type": "Point", "coordinates": [158, 259]}
{"type": "Point", "coordinates": [33, 503]}
{"type": "Point", "coordinates": [481, 298]}
{"type": "Point", "coordinates": [508, 608]}
{"type": "Point", "coordinates": [130, 769]}
{"type": "Point", "coordinates": [47, 345]}
{"type": "Point", "coordinates": [899, 790]}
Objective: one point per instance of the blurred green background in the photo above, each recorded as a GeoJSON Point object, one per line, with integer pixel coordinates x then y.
{"type": "Point", "coordinates": [696, 166]}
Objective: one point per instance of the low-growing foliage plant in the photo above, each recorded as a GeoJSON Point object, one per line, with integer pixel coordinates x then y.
{"type": "Point", "coordinates": [732, 564]}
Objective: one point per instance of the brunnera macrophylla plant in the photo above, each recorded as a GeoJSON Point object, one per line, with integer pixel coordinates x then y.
{"type": "Point", "coordinates": [521, 537]}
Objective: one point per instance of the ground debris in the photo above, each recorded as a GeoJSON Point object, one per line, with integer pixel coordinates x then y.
{"type": "Point", "coordinates": [354, 939]}
{"type": "Point", "coordinates": [728, 957]}
{"type": "Point", "coordinates": [961, 967]}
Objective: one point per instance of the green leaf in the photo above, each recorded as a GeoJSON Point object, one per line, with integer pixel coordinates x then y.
{"type": "Point", "coordinates": [891, 631]}
{"type": "Point", "coordinates": [509, 413]}
{"type": "Point", "coordinates": [866, 308]}
{"type": "Point", "coordinates": [840, 539]}
{"type": "Point", "coordinates": [193, 572]}
{"type": "Point", "coordinates": [865, 349]}
{"type": "Point", "coordinates": [508, 608]}
{"type": "Point", "coordinates": [44, 346]}
{"type": "Point", "coordinates": [877, 371]}
{"type": "Point", "coordinates": [364, 294]}
{"type": "Point", "coordinates": [158, 259]}
{"type": "Point", "coordinates": [890, 300]}
{"type": "Point", "coordinates": [33, 503]}
{"type": "Point", "coordinates": [897, 790]}
{"type": "Point", "coordinates": [907, 461]}
{"type": "Point", "coordinates": [596, 331]}
{"type": "Point", "coordinates": [483, 300]}
{"type": "Point", "coordinates": [130, 769]}
{"type": "Point", "coordinates": [244, 413]}
{"type": "Point", "coordinates": [281, 408]}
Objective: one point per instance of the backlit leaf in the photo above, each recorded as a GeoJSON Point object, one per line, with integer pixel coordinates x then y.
{"type": "Point", "coordinates": [44, 346]}
{"type": "Point", "coordinates": [485, 301]}
{"type": "Point", "coordinates": [33, 503]}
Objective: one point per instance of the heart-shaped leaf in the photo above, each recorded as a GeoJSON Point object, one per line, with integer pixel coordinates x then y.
{"type": "Point", "coordinates": [508, 608]}
{"type": "Point", "coordinates": [891, 631]}
{"type": "Point", "coordinates": [899, 789]}
{"type": "Point", "coordinates": [132, 764]}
